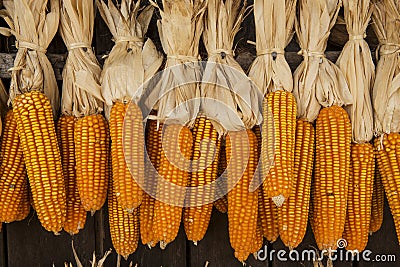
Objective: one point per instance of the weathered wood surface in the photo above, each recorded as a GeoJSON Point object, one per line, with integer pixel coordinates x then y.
{"type": "Point", "coordinates": [3, 246]}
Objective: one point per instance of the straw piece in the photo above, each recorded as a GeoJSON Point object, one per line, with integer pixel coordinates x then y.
{"type": "Point", "coordinates": [356, 63]}
{"type": "Point", "coordinates": [76, 29]}
{"type": "Point", "coordinates": [34, 24]}
{"type": "Point", "coordinates": [132, 60]}
{"type": "Point", "coordinates": [317, 81]}
{"type": "Point", "coordinates": [274, 30]}
{"type": "Point", "coordinates": [386, 93]}
{"type": "Point", "coordinates": [180, 28]}
{"type": "Point", "coordinates": [224, 84]}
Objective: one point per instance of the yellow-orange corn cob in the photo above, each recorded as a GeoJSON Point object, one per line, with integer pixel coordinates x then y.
{"type": "Point", "coordinates": [153, 148]}
{"type": "Point", "coordinates": [221, 204]}
{"type": "Point", "coordinates": [258, 240]}
{"type": "Point", "coordinates": [76, 214]}
{"type": "Point", "coordinates": [267, 210]}
{"type": "Point", "coordinates": [378, 198]}
{"type": "Point", "coordinates": [37, 134]}
{"type": "Point", "coordinates": [13, 180]}
{"type": "Point", "coordinates": [358, 214]}
{"type": "Point", "coordinates": [204, 172]}
{"type": "Point", "coordinates": [388, 154]}
{"type": "Point", "coordinates": [178, 141]}
{"type": "Point", "coordinates": [293, 215]}
{"type": "Point", "coordinates": [124, 226]}
{"type": "Point", "coordinates": [332, 171]}
{"type": "Point", "coordinates": [128, 192]}
{"type": "Point", "coordinates": [91, 156]}
{"type": "Point", "coordinates": [279, 180]}
{"type": "Point", "coordinates": [242, 204]}
{"type": "Point", "coordinates": [24, 206]}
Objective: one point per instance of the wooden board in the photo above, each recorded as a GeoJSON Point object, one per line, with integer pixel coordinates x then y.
{"type": "Point", "coordinates": [173, 256]}
{"type": "Point", "coordinates": [30, 245]}
{"type": "Point", "coordinates": [383, 242]}
{"type": "Point", "coordinates": [3, 247]}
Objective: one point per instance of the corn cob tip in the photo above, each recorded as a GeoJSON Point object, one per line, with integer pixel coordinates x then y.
{"type": "Point", "coordinates": [163, 245]}
{"type": "Point", "coordinates": [255, 255]}
{"type": "Point", "coordinates": [279, 200]}
{"type": "Point", "coordinates": [92, 212]}
{"type": "Point", "coordinates": [195, 243]}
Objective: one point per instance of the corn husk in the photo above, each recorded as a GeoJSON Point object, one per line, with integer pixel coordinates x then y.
{"type": "Point", "coordinates": [356, 63]}
{"type": "Point", "coordinates": [132, 60]}
{"type": "Point", "coordinates": [224, 84]}
{"type": "Point", "coordinates": [317, 81]}
{"type": "Point", "coordinates": [180, 28]}
{"type": "Point", "coordinates": [386, 93]}
{"type": "Point", "coordinates": [34, 24]}
{"type": "Point", "coordinates": [76, 29]}
{"type": "Point", "coordinates": [274, 30]}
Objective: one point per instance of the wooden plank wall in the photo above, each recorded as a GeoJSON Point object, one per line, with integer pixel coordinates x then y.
{"type": "Point", "coordinates": [27, 244]}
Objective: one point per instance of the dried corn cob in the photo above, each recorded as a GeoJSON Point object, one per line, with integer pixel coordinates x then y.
{"type": "Point", "coordinates": [128, 192]}
{"type": "Point", "coordinates": [13, 179]}
{"type": "Point", "coordinates": [378, 199]}
{"type": "Point", "coordinates": [124, 226]}
{"type": "Point", "coordinates": [204, 171]}
{"type": "Point", "coordinates": [167, 218]}
{"type": "Point", "coordinates": [91, 141]}
{"type": "Point", "coordinates": [332, 171]}
{"type": "Point", "coordinates": [24, 206]}
{"type": "Point", "coordinates": [358, 215]}
{"type": "Point", "coordinates": [293, 215]}
{"type": "Point", "coordinates": [153, 148]}
{"type": "Point", "coordinates": [258, 240]}
{"type": "Point", "coordinates": [267, 210]}
{"type": "Point", "coordinates": [242, 204]}
{"type": "Point", "coordinates": [76, 214]}
{"type": "Point", "coordinates": [279, 180]}
{"type": "Point", "coordinates": [221, 204]}
{"type": "Point", "coordinates": [37, 134]}
{"type": "Point", "coordinates": [388, 147]}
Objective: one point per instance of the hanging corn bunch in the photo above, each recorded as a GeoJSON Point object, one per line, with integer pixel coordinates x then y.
{"type": "Point", "coordinates": [319, 83]}
{"type": "Point", "coordinates": [271, 73]}
{"type": "Point", "coordinates": [80, 88]}
{"type": "Point", "coordinates": [378, 200]}
{"type": "Point", "coordinates": [180, 29]}
{"type": "Point", "coordinates": [130, 63]}
{"type": "Point", "coordinates": [222, 22]}
{"type": "Point", "coordinates": [386, 94]}
{"type": "Point", "coordinates": [34, 98]}
{"type": "Point", "coordinates": [357, 66]}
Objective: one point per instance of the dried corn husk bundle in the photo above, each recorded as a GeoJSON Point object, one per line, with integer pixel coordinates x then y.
{"type": "Point", "coordinates": [320, 84]}
{"type": "Point", "coordinates": [82, 99]}
{"type": "Point", "coordinates": [130, 63]}
{"type": "Point", "coordinates": [356, 63]}
{"type": "Point", "coordinates": [386, 96]}
{"type": "Point", "coordinates": [174, 97]}
{"type": "Point", "coordinates": [274, 30]}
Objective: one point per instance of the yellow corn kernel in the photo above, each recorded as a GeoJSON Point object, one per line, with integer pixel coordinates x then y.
{"type": "Point", "coordinates": [13, 180]}
{"type": "Point", "coordinates": [76, 214]}
{"type": "Point", "coordinates": [332, 172]}
{"type": "Point", "coordinates": [293, 215]}
{"type": "Point", "coordinates": [91, 139]}
{"type": "Point", "coordinates": [37, 134]}
{"type": "Point", "coordinates": [204, 172]}
{"type": "Point", "coordinates": [178, 143]}
{"type": "Point", "coordinates": [128, 192]}
{"type": "Point", "coordinates": [279, 180]}
{"type": "Point", "coordinates": [378, 199]}
{"type": "Point", "coordinates": [242, 204]}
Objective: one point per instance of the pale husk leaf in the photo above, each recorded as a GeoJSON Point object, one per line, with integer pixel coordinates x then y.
{"type": "Point", "coordinates": [180, 28]}
{"type": "Point", "coordinates": [317, 81]}
{"type": "Point", "coordinates": [225, 86]}
{"type": "Point", "coordinates": [274, 29]}
{"type": "Point", "coordinates": [356, 63]}
{"type": "Point", "coordinates": [76, 28]}
{"type": "Point", "coordinates": [386, 91]}
{"type": "Point", "coordinates": [131, 61]}
{"type": "Point", "coordinates": [34, 24]}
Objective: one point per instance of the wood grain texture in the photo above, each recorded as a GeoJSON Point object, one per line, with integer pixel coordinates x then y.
{"type": "Point", "coordinates": [3, 247]}
{"type": "Point", "coordinates": [30, 245]}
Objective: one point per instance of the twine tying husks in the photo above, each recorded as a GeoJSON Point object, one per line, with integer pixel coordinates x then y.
{"type": "Point", "coordinates": [30, 46]}
{"type": "Point", "coordinates": [73, 46]}
{"type": "Point", "coordinates": [388, 48]}
{"type": "Point", "coordinates": [271, 51]}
